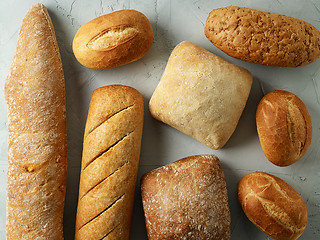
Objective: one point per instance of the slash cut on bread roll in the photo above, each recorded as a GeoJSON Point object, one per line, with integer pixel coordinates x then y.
{"type": "Point", "coordinates": [37, 135]}
{"type": "Point", "coordinates": [284, 127]}
{"type": "Point", "coordinates": [187, 199]}
{"type": "Point", "coordinates": [113, 39]}
{"type": "Point", "coordinates": [272, 205]}
{"type": "Point", "coordinates": [263, 37]}
{"type": "Point", "coordinates": [201, 94]}
{"type": "Point", "coordinates": [110, 159]}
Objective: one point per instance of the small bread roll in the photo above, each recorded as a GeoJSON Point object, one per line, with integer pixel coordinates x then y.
{"type": "Point", "coordinates": [110, 160]}
{"type": "Point", "coordinates": [272, 205]}
{"type": "Point", "coordinates": [113, 39]}
{"type": "Point", "coordinates": [201, 94]}
{"type": "Point", "coordinates": [187, 199]}
{"type": "Point", "coordinates": [284, 127]}
{"type": "Point", "coordinates": [262, 37]}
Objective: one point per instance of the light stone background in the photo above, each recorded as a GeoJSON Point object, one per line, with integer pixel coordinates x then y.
{"type": "Point", "coordinates": [172, 22]}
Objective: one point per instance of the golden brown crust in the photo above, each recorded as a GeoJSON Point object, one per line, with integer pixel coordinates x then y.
{"type": "Point", "coordinates": [201, 94]}
{"type": "Point", "coordinates": [272, 205]}
{"type": "Point", "coordinates": [111, 150]}
{"type": "Point", "coordinates": [113, 39]}
{"type": "Point", "coordinates": [186, 200]}
{"type": "Point", "coordinates": [262, 37]}
{"type": "Point", "coordinates": [284, 127]}
{"type": "Point", "coordinates": [37, 150]}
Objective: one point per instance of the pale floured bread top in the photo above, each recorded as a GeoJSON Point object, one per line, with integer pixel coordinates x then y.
{"type": "Point", "coordinates": [272, 205]}
{"type": "Point", "coordinates": [201, 94]}
{"type": "Point", "coordinates": [186, 200]}
{"type": "Point", "coordinates": [113, 37]}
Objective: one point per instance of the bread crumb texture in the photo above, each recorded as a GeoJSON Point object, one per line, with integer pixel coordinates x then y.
{"type": "Point", "coordinates": [187, 200]}
{"type": "Point", "coordinates": [262, 37]}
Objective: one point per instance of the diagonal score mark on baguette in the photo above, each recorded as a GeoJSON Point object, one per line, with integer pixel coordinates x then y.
{"type": "Point", "coordinates": [103, 211]}
{"type": "Point", "coordinates": [108, 117]}
{"type": "Point", "coordinates": [104, 179]}
{"type": "Point", "coordinates": [104, 237]}
{"type": "Point", "coordinates": [106, 150]}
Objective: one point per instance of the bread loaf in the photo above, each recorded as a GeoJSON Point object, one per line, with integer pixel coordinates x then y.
{"type": "Point", "coordinates": [201, 94]}
{"type": "Point", "coordinates": [111, 150]}
{"type": "Point", "coordinates": [284, 127]}
{"type": "Point", "coordinates": [272, 205]}
{"type": "Point", "coordinates": [187, 199]}
{"type": "Point", "coordinates": [113, 39]}
{"type": "Point", "coordinates": [262, 37]}
{"type": "Point", "coordinates": [37, 144]}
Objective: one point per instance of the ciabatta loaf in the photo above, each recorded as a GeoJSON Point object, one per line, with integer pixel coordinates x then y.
{"type": "Point", "coordinates": [187, 199]}
{"type": "Point", "coordinates": [110, 161]}
{"type": "Point", "coordinates": [37, 149]}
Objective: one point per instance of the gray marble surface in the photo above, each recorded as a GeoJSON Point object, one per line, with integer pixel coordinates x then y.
{"type": "Point", "coordinates": [172, 22]}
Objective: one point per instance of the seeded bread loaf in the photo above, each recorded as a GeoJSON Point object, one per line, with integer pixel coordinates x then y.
{"type": "Point", "coordinates": [110, 159]}
{"type": "Point", "coordinates": [113, 39]}
{"type": "Point", "coordinates": [262, 37]}
{"type": "Point", "coordinates": [187, 199]}
{"type": "Point", "coordinates": [272, 205]}
{"type": "Point", "coordinates": [37, 144]}
{"type": "Point", "coordinates": [284, 127]}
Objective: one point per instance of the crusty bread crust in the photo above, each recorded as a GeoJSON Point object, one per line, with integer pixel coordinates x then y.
{"type": "Point", "coordinates": [201, 94]}
{"type": "Point", "coordinates": [262, 37]}
{"type": "Point", "coordinates": [272, 205]}
{"type": "Point", "coordinates": [113, 39]}
{"type": "Point", "coordinates": [186, 200]}
{"type": "Point", "coordinates": [37, 150]}
{"type": "Point", "coordinates": [284, 127]}
{"type": "Point", "coordinates": [111, 150]}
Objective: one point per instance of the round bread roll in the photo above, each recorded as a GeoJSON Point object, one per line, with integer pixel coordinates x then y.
{"type": "Point", "coordinates": [272, 205]}
{"type": "Point", "coordinates": [284, 127]}
{"type": "Point", "coordinates": [113, 39]}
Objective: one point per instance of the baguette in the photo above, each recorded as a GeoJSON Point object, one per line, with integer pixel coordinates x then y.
{"type": "Point", "coordinates": [187, 199]}
{"type": "Point", "coordinates": [263, 37]}
{"type": "Point", "coordinates": [273, 205]}
{"type": "Point", "coordinates": [37, 144]}
{"type": "Point", "coordinates": [110, 160]}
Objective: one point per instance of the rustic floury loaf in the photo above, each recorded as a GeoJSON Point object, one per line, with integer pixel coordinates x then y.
{"type": "Point", "coordinates": [110, 159]}
{"type": "Point", "coordinates": [262, 37]}
{"type": "Point", "coordinates": [37, 144]}
{"type": "Point", "coordinates": [113, 39]}
{"type": "Point", "coordinates": [187, 199]}
{"type": "Point", "coordinates": [201, 94]}
{"type": "Point", "coordinates": [284, 127]}
{"type": "Point", "coordinates": [272, 205]}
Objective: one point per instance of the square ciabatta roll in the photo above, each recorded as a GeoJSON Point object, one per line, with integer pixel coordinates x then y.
{"type": "Point", "coordinates": [187, 199]}
{"type": "Point", "coordinates": [201, 94]}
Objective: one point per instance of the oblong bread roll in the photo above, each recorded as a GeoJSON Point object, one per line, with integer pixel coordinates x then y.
{"type": "Point", "coordinates": [37, 144]}
{"type": "Point", "coordinates": [110, 159]}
